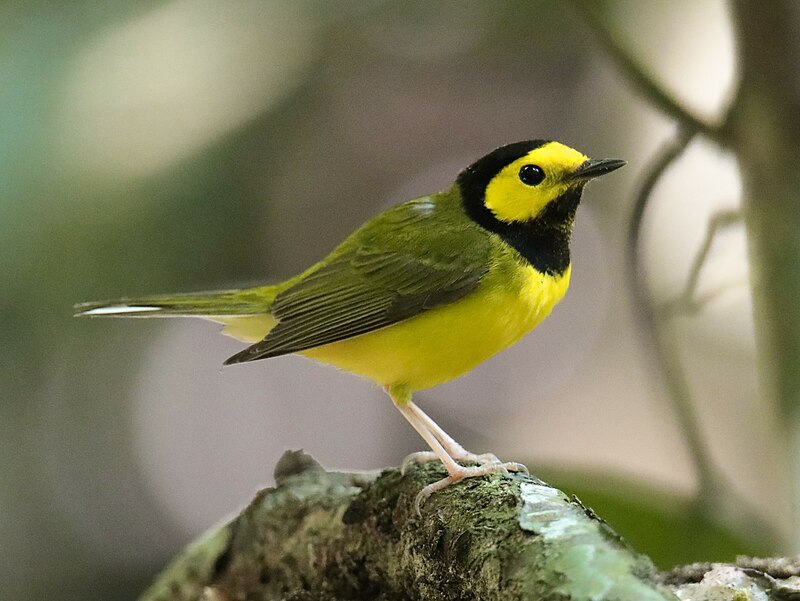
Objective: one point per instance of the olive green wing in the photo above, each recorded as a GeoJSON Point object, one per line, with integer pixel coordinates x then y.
{"type": "Point", "coordinates": [378, 278]}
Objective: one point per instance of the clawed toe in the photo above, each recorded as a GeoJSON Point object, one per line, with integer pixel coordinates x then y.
{"type": "Point", "coordinates": [426, 492]}
{"type": "Point", "coordinates": [418, 457]}
{"type": "Point", "coordinates": [493, 468]}
{"type": "Point", "coordinates": [513, 466]}
{"type": "Point", "coordinates": [484, 458]}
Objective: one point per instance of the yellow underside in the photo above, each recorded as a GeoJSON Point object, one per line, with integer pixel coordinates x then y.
{"type": "Point", "coordinates": [442, 343]}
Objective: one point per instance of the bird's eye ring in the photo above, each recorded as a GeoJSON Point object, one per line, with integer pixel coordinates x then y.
{"type": "Point", "coordinates": [531, 175]}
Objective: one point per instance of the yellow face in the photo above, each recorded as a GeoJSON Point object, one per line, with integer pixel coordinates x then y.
{"type": "Point", "coordinates": [524, 187]}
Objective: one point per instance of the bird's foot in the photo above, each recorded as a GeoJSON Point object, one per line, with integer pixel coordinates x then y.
{"type": "Point", "coordinates": [460, 454]}
{"type": "Point", "coordinates": [460, 473]}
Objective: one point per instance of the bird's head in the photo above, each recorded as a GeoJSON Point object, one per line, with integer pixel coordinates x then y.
{"type": "Point", "coordinates": [522, 182]}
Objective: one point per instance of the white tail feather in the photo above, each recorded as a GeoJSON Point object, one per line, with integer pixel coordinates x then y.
{"type": "Point", "coordinates": [118, 310]}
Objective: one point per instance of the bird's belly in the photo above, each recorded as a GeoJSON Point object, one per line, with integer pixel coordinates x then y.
{"type": "Point", "coordinates": [446, 342]}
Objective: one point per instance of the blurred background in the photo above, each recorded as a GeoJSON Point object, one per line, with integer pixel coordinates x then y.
{"type": "Point", "coordinates": [154, 146]}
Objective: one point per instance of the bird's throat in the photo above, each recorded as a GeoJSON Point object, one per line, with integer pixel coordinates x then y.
{"type": "Point", "coordinates": [544, 241]}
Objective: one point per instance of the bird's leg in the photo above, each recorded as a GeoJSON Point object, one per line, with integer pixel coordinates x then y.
{"type": "Point", "coordinates": [455, 471]}
{"type": "Point", "coordinates": [439, 451]}
{"type": "Point", "coordinates": [455, 450]}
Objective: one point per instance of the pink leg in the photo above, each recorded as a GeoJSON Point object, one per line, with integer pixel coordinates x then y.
{"type": "Point", "coordinates": [443, 447]}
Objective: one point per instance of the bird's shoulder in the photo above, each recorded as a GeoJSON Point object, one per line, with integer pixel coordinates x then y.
{"type": "Point", "coordinates": [434, 226]}
{"type": "Point", "coordinates": [425, 245]}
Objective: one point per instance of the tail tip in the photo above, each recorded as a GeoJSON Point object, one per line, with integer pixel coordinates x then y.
{"type": "Point", "coordinates": [107, 310]}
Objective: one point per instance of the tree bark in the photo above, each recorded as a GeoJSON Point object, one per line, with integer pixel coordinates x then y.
{"type": "Point", "coordinates": [340, 536]}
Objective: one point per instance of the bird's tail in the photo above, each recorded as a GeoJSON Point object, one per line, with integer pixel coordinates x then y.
{"type": "Point", "coordinates": [220, 303]}
{"type": "Point", "coordinates": [244, 313]}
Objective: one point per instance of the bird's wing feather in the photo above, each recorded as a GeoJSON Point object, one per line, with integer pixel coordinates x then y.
{"type": "Point", "coordinates": [375, 280]}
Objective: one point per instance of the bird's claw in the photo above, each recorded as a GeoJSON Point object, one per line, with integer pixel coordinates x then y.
{"type": "Point", "coordinates": [426, 492]}
{"type": "Point", "coordinates": [482, 459]}
{"type": "Point", "coordinates": [418, 457]}
{"type": "Point", "coordinates": [466, 472]}
{"type": "Point", "coordinates": [513, 466]}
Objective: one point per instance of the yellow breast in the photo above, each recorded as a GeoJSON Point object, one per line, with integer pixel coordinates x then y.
{"type": "Point", "coordinates": [446, 342]}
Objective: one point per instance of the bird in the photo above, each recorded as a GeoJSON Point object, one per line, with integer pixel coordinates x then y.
{"type": "Point", "coordinates": [421, 293]}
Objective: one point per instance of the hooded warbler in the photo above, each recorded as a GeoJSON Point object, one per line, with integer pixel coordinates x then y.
{"type": "Point", "coordinates": [421, 293]}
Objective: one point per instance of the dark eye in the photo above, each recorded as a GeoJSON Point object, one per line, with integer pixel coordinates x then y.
{"type": "Point", "coordinates": [531, 175]}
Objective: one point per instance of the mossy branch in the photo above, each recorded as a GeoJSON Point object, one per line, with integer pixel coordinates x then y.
{"type": "Point", "coordinates": [330, 536]}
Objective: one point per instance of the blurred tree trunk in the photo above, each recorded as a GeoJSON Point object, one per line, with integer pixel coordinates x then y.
{"type": "Point", "coordinates": [764, 130]}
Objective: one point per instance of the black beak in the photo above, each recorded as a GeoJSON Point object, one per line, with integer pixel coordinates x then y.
{"type": "Point", "coordinates": [596, 167]}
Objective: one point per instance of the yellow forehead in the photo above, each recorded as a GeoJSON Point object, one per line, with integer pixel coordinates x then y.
{"type": "Point", "coordinates": [556, 159]}
{"type": "Point", "coordinates": [511, 200]}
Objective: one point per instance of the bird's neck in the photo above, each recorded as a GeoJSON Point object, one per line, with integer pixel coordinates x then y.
{"type": "Point", "coordinates": [544, 241]}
